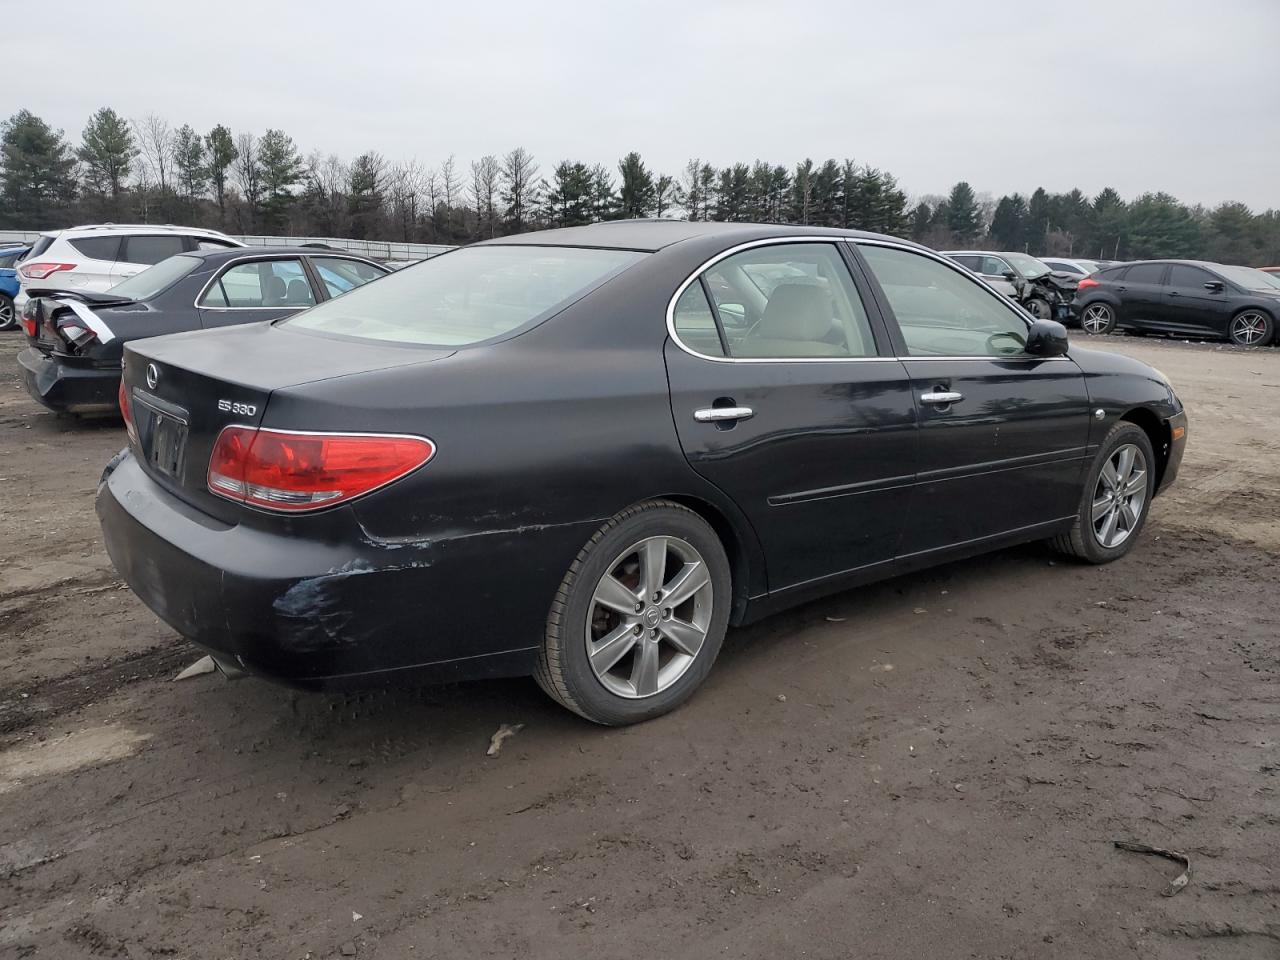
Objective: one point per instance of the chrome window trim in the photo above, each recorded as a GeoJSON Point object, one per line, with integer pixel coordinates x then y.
{"type": "Point", "coordinates": [269, 257]}
{"type": "Point", "coordinates": [750, 244]}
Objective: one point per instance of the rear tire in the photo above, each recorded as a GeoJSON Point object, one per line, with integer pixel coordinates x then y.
{"type": "Point", "coordinates": [1251, 328]}
{"type": "Point", "coordinates": [617, 649]}
{"type": "Point", "coordinates": [1098, 318]}
{"type": "Point", "coordinates": [8, 313]}
{"type": "Point", "coordinates": [1115, 500]}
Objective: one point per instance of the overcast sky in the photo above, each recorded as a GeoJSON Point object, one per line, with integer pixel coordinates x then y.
{"type": "Point", "coordinates": [1174, 95]}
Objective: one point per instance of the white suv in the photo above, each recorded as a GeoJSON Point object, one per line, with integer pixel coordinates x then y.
{"type": "Point", "coordinates": [96, 258]}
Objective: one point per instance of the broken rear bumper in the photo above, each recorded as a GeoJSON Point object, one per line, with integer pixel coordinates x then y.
{"type": "Point", "coordinates": [306, 612]}
{"type": "Point", "coordinates": [66, 388]}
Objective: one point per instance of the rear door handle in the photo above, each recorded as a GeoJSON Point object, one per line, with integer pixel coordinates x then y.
{"type": "Point", "coordinates": [941, 397]}
{"type": "Point", "coordinates": [712, 414]}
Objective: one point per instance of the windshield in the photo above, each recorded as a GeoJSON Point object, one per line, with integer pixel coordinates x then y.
{"type": "Point", "coordinates": [153, 280]}
{"type": "Point", "coordinates": [468, 296]}
{"type": "Point", "coordinates": [1025, 265]}
{"type": "Point", "coordinates": [1248, 278]}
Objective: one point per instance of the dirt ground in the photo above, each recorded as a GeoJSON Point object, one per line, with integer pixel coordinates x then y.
{"type": "Point", "coordinates": [932, 767]}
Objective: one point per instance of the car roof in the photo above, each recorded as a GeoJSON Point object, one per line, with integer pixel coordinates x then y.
{"type": "Point", "coordinates": [138, 228]}
{"type": "Point", "coordinates": [653, 235]}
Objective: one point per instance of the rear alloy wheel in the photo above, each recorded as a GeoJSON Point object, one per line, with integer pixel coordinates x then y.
{"type": "Point", "coordinates": [1098, 318]}
{"type": "Point", "coordinates": [8, 313]}
{"type": "Point", "coordinates": [1115, 500]}
{"type": "Point", "coordinates": [639, 618]}
{"type": "Point", "coordinates": [1251, 328]}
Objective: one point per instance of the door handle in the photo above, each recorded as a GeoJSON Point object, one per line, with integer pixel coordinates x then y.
{"type": "Point", "coordinates": [1174, 293]}
{"type": "Point", "coordinates": [712, 414]}
{"type": "Point", "coordinates": [941, 397]}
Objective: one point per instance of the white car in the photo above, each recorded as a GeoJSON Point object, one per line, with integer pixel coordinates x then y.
{"type": "Point", "coordinates": [1077, 268]}
{"type": "Point", "coordinates": [96, 258]}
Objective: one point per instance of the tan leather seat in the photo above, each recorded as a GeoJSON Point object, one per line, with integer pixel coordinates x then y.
{"type": "Point", "coordinates": [795, 320]}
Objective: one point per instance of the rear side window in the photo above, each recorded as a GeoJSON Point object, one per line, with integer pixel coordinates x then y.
{"type": "Point", "coordinates": [694, 323]}
{"type": "Point", "coordinates": [40, 246]}
{"type": "Point", "coordinates": [262, 283]}
{"type": "Point", "coordinates": [1145, 273]}
{"type": "Point", "coordinates": [969, 262]}
{"type": "Point", "coordinates": [789, 300]}
{"type": "Point", "coordinates": [470, 295]}
{"type": "Point", "coordinates": [152, 249]}
{"type": "Point", "coordinates": [1111, 273]}
{"type": "Point", "coordinates": [98, 248]}
{"type": "Point", "coordinates": [8, 260]}
{"type": "Point", "coordinates": [340, 275]}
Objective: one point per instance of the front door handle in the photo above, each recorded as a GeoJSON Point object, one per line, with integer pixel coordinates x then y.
{"type": "Point", "coordinates": [712, 414]}
{"type": "Point", "coordinates": [941, 397]}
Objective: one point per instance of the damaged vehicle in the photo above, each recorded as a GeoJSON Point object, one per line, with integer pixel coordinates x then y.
{"type": "Point", "coordinates": [77, 337]}
{"type": "Point", "coordinates": [583, 454]}
{"type": "Point", "coordinates": [1045, 293]}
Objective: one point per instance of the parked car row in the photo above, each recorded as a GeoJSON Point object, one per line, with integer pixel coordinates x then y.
{"type": "Point", "coordinates": [9, 285]}
{"type": "Point", "coordinates": [1044, 293]}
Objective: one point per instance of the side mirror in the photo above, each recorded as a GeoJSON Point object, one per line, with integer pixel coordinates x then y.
{"type": "Point", "coordinates": [1009, 275]}
{"type": "Point", "coordinates": [1214, 285]}
{"type": "Point", "coordinates": [1047, 338]}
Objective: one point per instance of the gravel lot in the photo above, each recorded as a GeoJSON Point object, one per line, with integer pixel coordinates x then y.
{"type": "Point", "coordinates": [932, 767]}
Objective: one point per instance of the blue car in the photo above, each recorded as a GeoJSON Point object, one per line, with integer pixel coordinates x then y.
{"type": "Point", "coordinates": [9, 257]}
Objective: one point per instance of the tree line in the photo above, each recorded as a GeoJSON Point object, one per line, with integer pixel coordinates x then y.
{"type": "Point", "coordinates": [246, 183]}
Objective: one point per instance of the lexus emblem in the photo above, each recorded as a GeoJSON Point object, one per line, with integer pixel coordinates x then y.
{"type": "Point", "coordinates": [153, 376]}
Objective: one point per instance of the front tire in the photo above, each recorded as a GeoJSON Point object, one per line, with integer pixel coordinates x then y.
{"type": "Point", "coordinates": [8, 313]}
{"type": "Point", "coordinates": [639, 617]}
{"type": "Point", "coordinates": [1098, 318]}
{"type": "Point", "coordinates": [1116, 498]}
{"type": "Point", "coordinates": [1039, 308]}
{"type": "Point", "coordinates": [1251, 328]}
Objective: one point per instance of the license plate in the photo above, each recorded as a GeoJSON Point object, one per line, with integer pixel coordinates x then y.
{"type": "Point", "coordinates": [168, 444]}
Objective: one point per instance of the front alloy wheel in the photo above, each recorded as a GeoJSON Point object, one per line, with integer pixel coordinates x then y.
{"type": "Point", "coordinates": [1251, 328]}
{"type": "Point", "coordinates": [1120, 496]}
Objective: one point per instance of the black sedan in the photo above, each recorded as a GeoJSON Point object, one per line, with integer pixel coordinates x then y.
{"type": "Point", "coordinates": [77, 339]}
{"type": "Point", "coordinates": [582, 454]}
{"type": "Point", "coordinates": [1183, 298]}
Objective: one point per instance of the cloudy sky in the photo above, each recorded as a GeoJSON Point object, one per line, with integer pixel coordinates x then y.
{"type": "Point", "coordinates": [1174, 95]}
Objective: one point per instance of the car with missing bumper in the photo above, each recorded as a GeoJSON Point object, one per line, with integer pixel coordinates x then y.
{"type": "Point", "coordinates": [582, 454]}
{"type": "Point", "coordinates": [76, 338]}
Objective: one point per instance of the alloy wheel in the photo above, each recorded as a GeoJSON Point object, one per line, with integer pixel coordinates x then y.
{"type": "Point", "coordinates": [1249, 328]}
{"type": "Point", "coordinates": [1096, 319]}
{"type": "Point", "coordinates": [6, 313]}
{"type": "Point", "coordinates": [1120, 496]}
{"type": "Point", "coordinates": [648, 617]}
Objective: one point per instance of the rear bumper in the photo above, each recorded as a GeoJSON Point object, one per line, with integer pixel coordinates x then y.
{"type": "Point", "coordinates": [313, 613]}
{"type": "Point", "coordinates": [69, 389]}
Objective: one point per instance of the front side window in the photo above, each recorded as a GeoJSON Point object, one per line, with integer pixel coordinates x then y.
{"type": "Point", "coordinates": [1145, 273]}
{"type": "Point", "coordinates": [260, 283]}
{"type": "Point", "coordinates": [470, 295]}
{"type": "Point", "coordinates": [941, 312]}
{"type": "Point", "coordinates": [969, 261]}
{"type": "Point", "coordinates": [340, 275]}
{"type": "Point", "coordinates": [157, 279]}
{"type": "Point", "coordinates": [994, 267]}
{"type": "Point", "coordinates": [152, 249]}
{"type": "Point", "coordinates": [1183, 276]}
{"type": "Point", "coordinates": [787, 301]}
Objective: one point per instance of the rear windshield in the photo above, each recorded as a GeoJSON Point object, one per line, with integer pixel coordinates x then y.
{"type": "Point", "coordinates": [157, 279]}
{"type": "Point", "coordinates": [468, 296]}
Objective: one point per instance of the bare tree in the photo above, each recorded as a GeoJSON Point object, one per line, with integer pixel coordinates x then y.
{"type": "Point", "coordinates": [155, 139]}
{"type": "Point", "coordinates": [247, 169]}
{"type": "Point", "coordinates": [484, 194]}
{"type": "Point", "coordinates": [450, 193]}
{"type": "Point", "coordinates": [405, 186]}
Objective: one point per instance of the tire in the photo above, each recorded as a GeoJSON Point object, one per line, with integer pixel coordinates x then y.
{"type": "Point", "coordinates": [1098, 318]}
{"type": "Point", "coordinates": [1251, 328]}
{"type": "Point", "coordinates": [1090, 539]}
{"type": "Point", "coordinates": [1039, 308]}
{"type": "Point", "coordinates": [637, 676]}
{"type": "Point", "coordinates": [8, 313]}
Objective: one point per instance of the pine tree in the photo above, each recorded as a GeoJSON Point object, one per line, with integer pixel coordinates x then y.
{"type": "Point", "coordinates": [107, 151]}
{"type": "Point", "coordinates": [282, 170]}
{"type": "Point", "coordinates": [189, 165]}
{"type": "Point", "coordinates": [964, 219]}
{"type": "Point", "coordinates": [636, 194]}
{"type": "Point", "coordinates": [38, 173]}
{"type": "Point", "coordinates": [220, 149]}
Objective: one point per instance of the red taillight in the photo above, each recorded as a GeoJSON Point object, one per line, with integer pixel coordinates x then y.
{"type": "Point", "coordinates": [42, 271]}
{"type": "Point", "coordinates": [29, 324]}
{"type": "Point", "coordinates": [1086, 283]}
{"type": "Point", "coordinates": [306, 471]}
{"type": "Point", "coordinates": [126, 412]}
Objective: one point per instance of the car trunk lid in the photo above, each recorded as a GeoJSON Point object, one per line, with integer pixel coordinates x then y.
{"type": "Point", "coordinates": [185, 388]}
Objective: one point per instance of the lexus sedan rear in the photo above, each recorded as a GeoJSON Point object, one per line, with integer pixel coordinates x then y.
{"type": "Point", "coordinates": [583, 454]}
